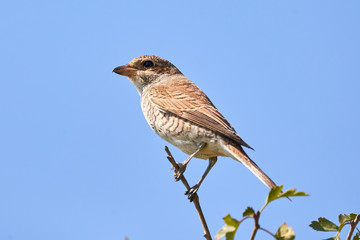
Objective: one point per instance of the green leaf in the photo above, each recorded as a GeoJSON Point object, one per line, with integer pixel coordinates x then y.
{"type": "Point", "coordinates": [231, 221]}
{"type": "Point", "coordinates": [324, 225]}
{"type": "Point", "coordinates": [285, 233]}
{"type": "Point", "coordinates": [276, 193]}
{"type": "Point", "coordinates": [229, 229]}
{"type": "Point", "coordinates": [293, 193]}
{"type": "Point", "coordinates": [352, 216]}
{"type": "Point", "coordinates": [357, 236]}
{"type": "Point", "coordinates": [343, 218]}
{"type": "Point", "coordinates": [226, 230]}
{"type": "Point", "coordinates": [249, 211]}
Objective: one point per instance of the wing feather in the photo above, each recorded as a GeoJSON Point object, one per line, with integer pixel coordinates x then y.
{"type": "Point", "coordinates": [184, 99]}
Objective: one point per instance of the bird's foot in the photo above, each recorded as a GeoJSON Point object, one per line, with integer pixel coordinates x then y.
{"type": "Point", "coordinates": [179, 173]}
{"type": "Point", "coordinates": [192, 191]}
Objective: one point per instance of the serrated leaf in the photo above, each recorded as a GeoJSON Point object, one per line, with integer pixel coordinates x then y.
{"type": "Point", "coordinates": [293, 193]}
{"type": "Point", "coordinates": [231, 221]}
{"type": "Point", "coordinates": [229, 229]}
{"type": "Point", "coordinates": [226, 229]}
{"type": "Point", "coordinates": [343, 218]}
{"type": "Point", "coordinates": [285, 233]}
{"type": "Point", "coordinates": [324, 225]}
{"type": "Point", "coordinates": [357, 236]}
{"type": "Point", "coordinates": [275, 193]}
{"type": "Point", "coordinates": [249, 211]}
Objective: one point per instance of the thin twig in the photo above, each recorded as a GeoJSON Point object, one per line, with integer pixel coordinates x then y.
{"type": "Point", "coordinates": [195, 198]}
{"type": "Point", "coordinates": [265, 230]}
{"type": "Point", "coordinates": [243, 219]}
{"type": "Point", "coordinates": [353, 226]}
{"type": "Point", "coordinates": [256, 225]}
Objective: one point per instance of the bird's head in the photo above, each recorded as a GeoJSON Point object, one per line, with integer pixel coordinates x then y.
{"type": "Point", "coordinates": [146, 70]}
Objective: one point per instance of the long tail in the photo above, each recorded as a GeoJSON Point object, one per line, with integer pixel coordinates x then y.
{"type": "Point", "coordinates": [239, 154]}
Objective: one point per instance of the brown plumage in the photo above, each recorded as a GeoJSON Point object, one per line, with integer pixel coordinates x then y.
{"type": "Point", "coordinates": [184, 99]}
{"type": "Point", "coordinates": [179, 112]}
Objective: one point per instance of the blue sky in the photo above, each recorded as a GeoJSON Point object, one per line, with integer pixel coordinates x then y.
{"type": "Point", "coordinates": [78, 160]}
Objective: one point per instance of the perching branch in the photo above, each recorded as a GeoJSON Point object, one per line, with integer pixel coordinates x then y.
{"type": "Point", "coordinates": [195, 198]}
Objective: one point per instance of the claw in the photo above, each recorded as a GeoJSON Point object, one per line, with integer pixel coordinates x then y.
{"type": "Point", "coordinates": [192, 191]}
{"type": "Point", "coordinates": [179, 173]}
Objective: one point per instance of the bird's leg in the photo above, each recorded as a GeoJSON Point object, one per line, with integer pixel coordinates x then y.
{"type": "Point", "coordinates": [182, 166]}
{"type": "Point", "coordinates": [191, 191]}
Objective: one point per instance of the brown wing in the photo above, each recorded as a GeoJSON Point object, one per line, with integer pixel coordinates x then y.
{"type": "Point", "coordinates": [184, 99]}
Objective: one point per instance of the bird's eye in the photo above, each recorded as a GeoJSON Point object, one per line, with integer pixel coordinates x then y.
{"type": "Point", "coordinates": [148, 64]}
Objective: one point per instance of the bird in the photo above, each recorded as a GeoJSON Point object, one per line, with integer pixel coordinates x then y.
{"type": "Point", "coordinates": [182, 114]}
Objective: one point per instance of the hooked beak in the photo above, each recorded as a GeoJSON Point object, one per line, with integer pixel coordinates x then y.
{"type": "Point", "coordinates": [125, 70]}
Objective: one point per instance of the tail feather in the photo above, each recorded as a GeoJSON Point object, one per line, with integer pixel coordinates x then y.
{"type": "Point", "coordinates": [237, 153]}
